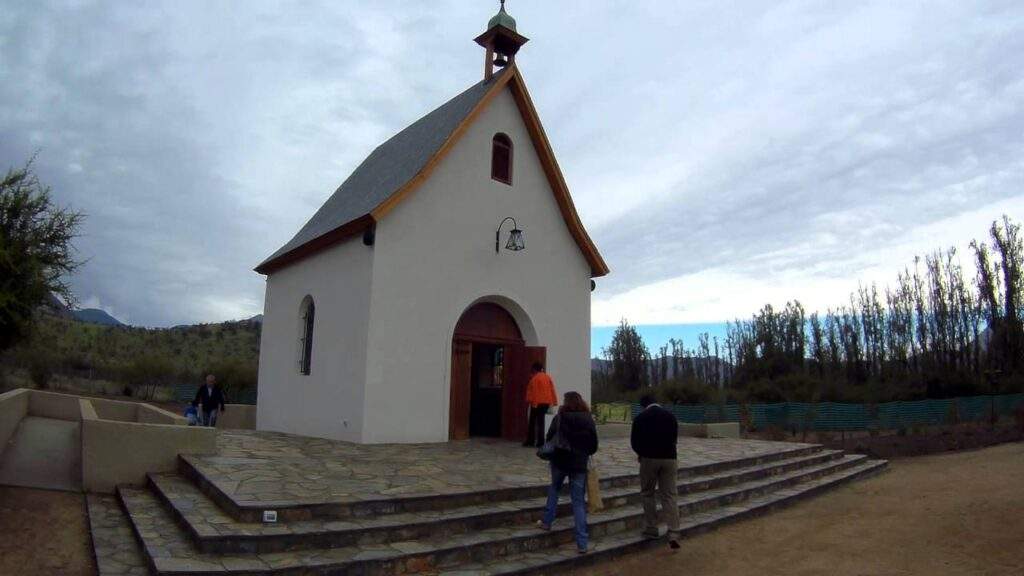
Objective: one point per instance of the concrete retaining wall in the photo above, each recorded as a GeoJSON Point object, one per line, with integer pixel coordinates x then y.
{"type": "Point", "coordinates": [121, 441]}
{"type": "Point", "coordinates": [715, 430]}
{"type": "Point", "coordinates": [13, 407]}
{"type": "Point", "coordinates": [149, 414]}
{"type": "Point", "coordinates": [115, 452]}
{"type": "Point", "coordinates": [54, 405]}
{"type": "Point", "coordinates": [115, 409]}
{"type": "Point", "coordinates": [238, 417]}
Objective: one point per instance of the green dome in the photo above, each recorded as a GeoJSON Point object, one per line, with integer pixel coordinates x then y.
{"type": "Point", "coordinates": [502, 19]}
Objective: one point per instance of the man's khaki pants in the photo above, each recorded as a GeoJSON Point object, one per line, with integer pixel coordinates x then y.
{"type": "Point", "coordinates": [659, 476]}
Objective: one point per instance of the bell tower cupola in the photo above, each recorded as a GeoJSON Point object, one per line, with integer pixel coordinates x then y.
{"type": "Point", "coordinates": [501, 42]}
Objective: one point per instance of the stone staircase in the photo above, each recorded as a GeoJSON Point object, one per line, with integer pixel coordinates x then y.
{"type": "Point", "coordinates": [181, 524]}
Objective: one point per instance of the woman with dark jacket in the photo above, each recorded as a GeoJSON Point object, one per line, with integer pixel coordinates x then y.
{"type": "Point", "coordinates": [579, 434]}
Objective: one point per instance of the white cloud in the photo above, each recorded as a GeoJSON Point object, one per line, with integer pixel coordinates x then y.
{"type": "Point", "coordinates": [93, 301]}
{"type": "Point", "coordinates": [722, 294]}
{"type": "Point", "coordinates": [722, 155]}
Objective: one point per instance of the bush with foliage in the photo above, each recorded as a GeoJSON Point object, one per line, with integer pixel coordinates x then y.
{"type": "Point", "coordinates": [233, 376]}
{"type": "Point", "coordinates": [35, 251]}
{"type": "Point", "coordinates": [40, 371]}
{"type": "Point", "coordinates": [148, 372]}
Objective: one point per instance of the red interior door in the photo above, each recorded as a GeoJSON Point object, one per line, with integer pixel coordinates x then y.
{"type": "Point", "coordinates": [514, 407]}
{"type": "Point", "coordinates": [458, 409]}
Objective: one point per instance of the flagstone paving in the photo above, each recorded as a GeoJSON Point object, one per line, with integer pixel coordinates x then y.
{"type": "Point", "coordinates": [485, 497]}
{"type": "Point", "coordinates": [215, 530]}
{"type": "Point", "coordinates": [113, 542]}
{"type": "Point", "coordinates": [282, 469]}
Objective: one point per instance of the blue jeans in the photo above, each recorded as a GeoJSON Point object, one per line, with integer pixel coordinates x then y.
{"type": "Point", "coordinates": [577, 492]}
{"type": "Point", "coordinates": [210, 418]}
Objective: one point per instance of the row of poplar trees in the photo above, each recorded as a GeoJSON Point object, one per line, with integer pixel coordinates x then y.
{"type": "Point", "coordinates": [938, 332]}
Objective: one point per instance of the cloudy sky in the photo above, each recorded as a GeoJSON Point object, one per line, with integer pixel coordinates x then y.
{"type": "Point", "coordinates": [722, 154]}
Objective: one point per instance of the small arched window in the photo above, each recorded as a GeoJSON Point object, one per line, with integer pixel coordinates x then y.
{"type": "Point", "coordinates": [307, 311]}
{"type": "Point", "coordinates": [501, 158]}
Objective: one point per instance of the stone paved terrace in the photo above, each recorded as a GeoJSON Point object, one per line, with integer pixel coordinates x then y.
{"type": "Point", "coordinates": [455, 508]}
{"type": "Point", "coordinates": [275, 469]}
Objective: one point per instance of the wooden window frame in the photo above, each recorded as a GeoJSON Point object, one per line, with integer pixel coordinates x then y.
{"type": "Point", "coordinates": [307, 322]}
{"type": "Point", "coordinates": [503, 141]}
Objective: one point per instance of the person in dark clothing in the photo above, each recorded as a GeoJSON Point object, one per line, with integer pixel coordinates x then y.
{"type": "Point", "coordinates": [577, 431]}
{"type": "Point", "coordinates": [211, 400]}
{"type": "Point", "coordinates": [653, 438]}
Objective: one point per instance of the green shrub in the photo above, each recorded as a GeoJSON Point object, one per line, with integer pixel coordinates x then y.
{"type": "Point", "coordinates": [147, 372]}
{"type": "Point", "coordinates": [765, 391]}
{"type": "Point", "coordinates": [953, 414]}
{"type": "Point", "coordinates": [772, 432]}
{"type": "Point", "coordinates": [40, 371]}
{"type": "Point", "coordinates": [233, 376]}
{"type": "Point", "coordinates": [685, 392]}
{"type": "Point", "coordinates": [746, 418]}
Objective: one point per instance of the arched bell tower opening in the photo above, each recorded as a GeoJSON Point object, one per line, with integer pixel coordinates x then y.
{"type": "Point", "coordinates": [490, 361]}
{"type": "Point", "coordinates": [500, 42]}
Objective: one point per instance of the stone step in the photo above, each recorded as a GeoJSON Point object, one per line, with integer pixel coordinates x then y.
{"type": "Point", "coordinates": [170, 550]}
{"type": "Point", "coordinates": [215, 531]}
{"type": "Point", "coordinates": [565, 556]}
{"type": "Point", "coordinates": [114, 546]}
{"type": "Point", "coordinates": [249, 509]}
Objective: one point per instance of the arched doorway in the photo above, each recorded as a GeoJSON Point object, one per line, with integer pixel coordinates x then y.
{"type": "Point", "coordinates": [489, 374]}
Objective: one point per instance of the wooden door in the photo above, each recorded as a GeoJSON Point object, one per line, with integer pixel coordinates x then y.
{"type": "Point", "coordinates": [514, 407]}
{"type": "Point", "coordinates": [513, 404]}
{"type": "Point", "coordinates": [536, 354]}
{"type": "Point", "coordinates": [458, 409]}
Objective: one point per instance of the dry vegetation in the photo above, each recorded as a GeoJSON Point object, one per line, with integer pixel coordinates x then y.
{"type": "Point", "coordinates": [112, 359]}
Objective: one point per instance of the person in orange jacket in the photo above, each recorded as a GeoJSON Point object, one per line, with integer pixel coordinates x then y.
{"type": "Point", "coordinates": [540, 395]}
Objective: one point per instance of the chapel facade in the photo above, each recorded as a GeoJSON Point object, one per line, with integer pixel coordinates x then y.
{"type": "Point", "coordinates": [411, 305]}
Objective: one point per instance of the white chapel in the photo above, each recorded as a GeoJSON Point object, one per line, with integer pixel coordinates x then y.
{"type": "Point", "coordinates": [411, 305]}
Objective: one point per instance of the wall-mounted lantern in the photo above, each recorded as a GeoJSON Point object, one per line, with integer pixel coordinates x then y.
{"type": "Point", "coordinates": [515, 237]}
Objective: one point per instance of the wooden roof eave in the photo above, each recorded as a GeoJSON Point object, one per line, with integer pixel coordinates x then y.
{"type": "Point", "coordinates": [338, 235]}
{"type": "Point", "coordinates": [556, 180]}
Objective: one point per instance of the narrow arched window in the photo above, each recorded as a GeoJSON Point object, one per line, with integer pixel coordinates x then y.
{"type": "Point", "coordinates": [307, 311]}
{"type": "Point", "coordinates": [501, 158]}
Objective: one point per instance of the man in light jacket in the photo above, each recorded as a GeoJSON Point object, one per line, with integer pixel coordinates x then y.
{"type": "Point", "coordinates": [653, 438]}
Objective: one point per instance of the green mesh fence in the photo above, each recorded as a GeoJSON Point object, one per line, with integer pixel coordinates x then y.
{"type": "Point", "coordinates": [839, 416]}
{"type": "Point", "coordinates": [186, 392]}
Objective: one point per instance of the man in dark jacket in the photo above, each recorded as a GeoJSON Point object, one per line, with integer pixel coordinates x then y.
{"type": "Point", "coordinates": [653, 438]}
{"type": "Point", "coordinates": [211, 400]}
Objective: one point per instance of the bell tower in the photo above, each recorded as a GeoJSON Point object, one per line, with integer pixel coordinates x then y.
{"type": "Point", "coordinates": [501, 42]}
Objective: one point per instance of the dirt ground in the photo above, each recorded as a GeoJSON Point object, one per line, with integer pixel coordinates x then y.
{"type": "Point", "coordinates": [44, 532]}
{"type": "Point", "coordinates": [957, 513]}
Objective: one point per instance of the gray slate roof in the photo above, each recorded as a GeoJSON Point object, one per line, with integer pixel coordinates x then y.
{"type": "Point", "coordinates": [388, 167]}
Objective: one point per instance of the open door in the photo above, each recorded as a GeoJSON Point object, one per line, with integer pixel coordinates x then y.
{"type": "Point", "coordinates": [514, 408]}
{"type": "Point", "coordinates": [458, 412]}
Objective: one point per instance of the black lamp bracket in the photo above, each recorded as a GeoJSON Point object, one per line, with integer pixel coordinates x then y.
{"type": "Point", "coordinates": [497, 233]}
